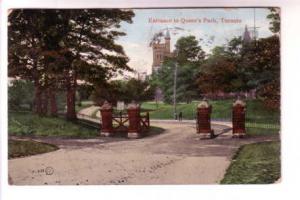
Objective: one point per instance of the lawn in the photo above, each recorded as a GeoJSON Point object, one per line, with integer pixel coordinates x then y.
{"type": "Point", "coordinates": [259, 119]}
{"type": "Point", "coordinates": [255, 164]}
{"type": "Point", "coordinates": [18, 148]}
{"type": "Point", "coordinates": [28, 124]}
{"type": "Point", "coordinates": [222, 109]}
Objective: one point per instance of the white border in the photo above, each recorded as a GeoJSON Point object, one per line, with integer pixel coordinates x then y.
{"type": "Point", "coordinates": [290, 40]}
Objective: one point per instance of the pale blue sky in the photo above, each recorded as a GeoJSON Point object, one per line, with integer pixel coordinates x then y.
{"type": "Point", "coordinates": [140, 32]}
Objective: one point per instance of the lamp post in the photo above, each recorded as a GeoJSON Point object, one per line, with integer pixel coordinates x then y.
{"type": "Point", "coordinates": [175, 84]}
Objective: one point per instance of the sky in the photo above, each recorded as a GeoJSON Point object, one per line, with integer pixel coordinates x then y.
{"type": "Point", "coordinates": [211, 26]}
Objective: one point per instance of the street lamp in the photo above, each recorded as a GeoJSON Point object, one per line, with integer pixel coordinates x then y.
{"type": "Point", "coordinates": [175, 84]}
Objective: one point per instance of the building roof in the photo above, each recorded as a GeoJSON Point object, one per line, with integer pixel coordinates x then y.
{"type": "Point", "coordinates": [246, 35]}
{"type": "Point", "coordinates": [167, 34]}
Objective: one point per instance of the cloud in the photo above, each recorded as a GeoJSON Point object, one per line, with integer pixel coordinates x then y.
{"type": "Point", "coordinates": [140, 55]}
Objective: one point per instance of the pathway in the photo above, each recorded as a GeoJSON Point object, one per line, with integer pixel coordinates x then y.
{"type": "Point", "coordinates": [176, 156]}
{"type": "Point", "coordinates": [86, 113]}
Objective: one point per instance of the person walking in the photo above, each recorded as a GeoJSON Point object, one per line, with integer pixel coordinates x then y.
{"type": "Point", "coordinates": [180, 116]}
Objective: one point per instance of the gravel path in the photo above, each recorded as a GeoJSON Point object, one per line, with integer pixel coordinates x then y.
{"type": "Point", "coordinates": [89, 110]}
{"type": "Point", "coordinates": [176, 156]}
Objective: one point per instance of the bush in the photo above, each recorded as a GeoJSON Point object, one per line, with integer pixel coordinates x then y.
{"type": "Point", "coordinates": [20, 95]}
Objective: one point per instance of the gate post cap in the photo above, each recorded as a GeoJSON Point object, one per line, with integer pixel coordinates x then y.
{"type": "Point", "coordinates": [239, 102]}
{"type": "Point", "coordinates": [203, 104]}
{"type": "Point", "coordinates": [133, 105]}
{"type": "Point", "coordinates": [106, 106]}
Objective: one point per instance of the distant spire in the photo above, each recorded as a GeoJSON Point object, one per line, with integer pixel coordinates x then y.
{"type": "Point", "coordinates": [246, 36]}
{"type": "Point", "coordinates": [167, 35]}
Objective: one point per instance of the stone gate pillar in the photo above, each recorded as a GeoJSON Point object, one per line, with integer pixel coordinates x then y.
{"type": "Point", "coordinates": [238, 118]}
{"type": "Point", "coordinates": [134, 129]}
{"type": "Point", "coordinates": [106, 116]}
{"type": "Point", "coordinates": [203, 119]}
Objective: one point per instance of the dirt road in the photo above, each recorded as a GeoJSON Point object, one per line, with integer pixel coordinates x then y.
{"type": "Point", "coordinates": [176, 156]}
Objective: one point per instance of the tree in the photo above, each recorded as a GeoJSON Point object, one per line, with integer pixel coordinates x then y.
{"type": "Point", "coordinates": [274, 16]}
{"type": "Point", "coordinates": [63, 46]}
{"type": "Point", "coordinates": [20, 94]}
{"type": "Point", "coordinates": [84, 91]}
{"type": "Point", "coordinates": [188, 50]}
{"type": "Point", "coordinates": [139, 90]}
{"type": "Point", "coordinates": [219, 73]}
{"type": "Point", "coordinates": [95, 57]}
{"type": "Point", "coordinates": [33, 51]}
{"type": "Point", "coordinates": [124, 90]}
{"type": "Point", "coordinates": [189, 56]}
{"type": "Point", "coordinates": [261, 63]}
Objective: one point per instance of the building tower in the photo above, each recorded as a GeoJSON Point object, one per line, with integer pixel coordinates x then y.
{"type": "Point", "coordinates": [167, 43]}
{"type": "Point", "coordinates": [246, 36]}
{"type": "Point", "coordinates": [160, 51]}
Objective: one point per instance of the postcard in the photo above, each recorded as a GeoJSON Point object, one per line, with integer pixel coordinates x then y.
{"type": "Point", "coordinates": [144, 96]}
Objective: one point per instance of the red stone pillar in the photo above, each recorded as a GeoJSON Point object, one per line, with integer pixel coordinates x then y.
{"type": "Point", "coordinates": [134, 129]}
{"type": "Point", "coordinates": [203, 120]}
{"type": "Point", "coordinates": [238, 118]}
{"type": "Point", "coordinates": [106, 117]}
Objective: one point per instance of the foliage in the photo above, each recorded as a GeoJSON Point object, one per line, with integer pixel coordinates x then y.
{"type": "Point", "coordinates": [188, 50]}
{"type": "Point", "coordinates": [188, 55]}
{"type": "Point", "coordinates": [124, 90]}
{"type": "Point", "coordinates": [255, 164]}
{"type": "Point", "coordinates": [242, 67]}
{"type": "Point", "coordinates": [20, 95]}
{"type": "Point", "coordinates": [30, 124]}
{"type": "Point", "coordinates": [261, 64]}
{"type": "Point", "coordinates": [21, 148]}
{"type": "Point", "coordinates": [57, 47]}
{"type": "Point", "coordinates": [219, 73]}
{"type": "Point", "coordinates": [84, 91]}
{"type": "Point", "coordinates": [274, 16]}
{"type": "Point", "coordinates": [138, 90]}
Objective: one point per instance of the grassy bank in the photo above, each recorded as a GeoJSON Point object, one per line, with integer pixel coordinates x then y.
{"type": "Point", "coordinates": [255, 164]}
{"type": "Point", "coordinates": [28, 124]}
{"type": "Point", "coordinates": [17, 148]}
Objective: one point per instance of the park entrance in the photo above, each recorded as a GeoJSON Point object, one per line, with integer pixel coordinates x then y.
{"type": "Point", "coordinates": [132, 123]}
{"type": "Point", "coordinates": [135, 125]}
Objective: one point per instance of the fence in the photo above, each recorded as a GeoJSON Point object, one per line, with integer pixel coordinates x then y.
{"type": "Point", "coordinates": [256, 125]}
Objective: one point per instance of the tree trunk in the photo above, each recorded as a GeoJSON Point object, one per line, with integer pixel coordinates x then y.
{"type": "Point", "coordinates": [44, 103]}
{"type": "Point", "coordinates": [53, 105]}
{"type": "Point", "coordinates": [38, 99]}
{"type": "Point", "coordinates": [71, 91]}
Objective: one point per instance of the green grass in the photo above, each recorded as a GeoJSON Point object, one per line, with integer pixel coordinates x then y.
{"type": "Point", "coordinates": [28, 124]}
{"type": "Point", "coordinates": [18, 148]}
{"type": "Point", "coordinates": [256, 112]}
{"type": "Point", "coordinates": [258, 130]}
{"type": "Point", "coordinates": [255, 164]}
{"type": "Point", "coordinates": [259, 119]}
{"type": "Point", "coordinates": [165, 111]}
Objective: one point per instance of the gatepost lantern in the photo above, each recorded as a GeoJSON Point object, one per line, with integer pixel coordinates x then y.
{"type": "Point", "coordinates": [238, 118]}
{"type": "Point", "coordinates": [106, 116]}
{"type": "Point", "coordinates": [134, 118]}
{"type": "Point", "coordinates": [203, 119]}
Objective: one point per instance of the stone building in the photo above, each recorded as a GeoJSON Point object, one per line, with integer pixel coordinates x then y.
{"type": "Point", "coordinates": [160, 51]}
